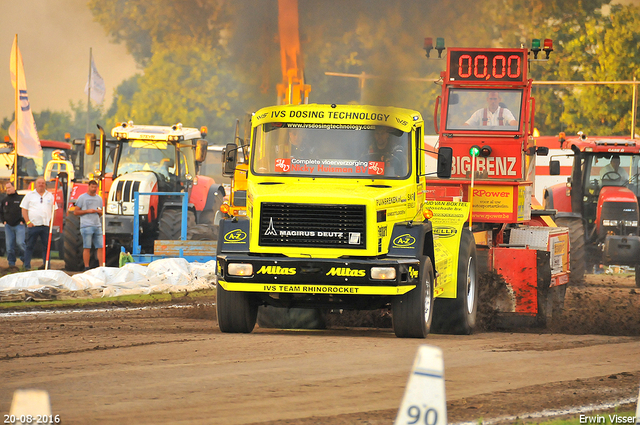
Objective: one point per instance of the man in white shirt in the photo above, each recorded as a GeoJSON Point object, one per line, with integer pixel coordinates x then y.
{"type": "Point", "coordinates": [37, 209]}
{"type": "Point", "coordinates": [493, 115]}
{"type": "Point", "coordinates": [614, 175]}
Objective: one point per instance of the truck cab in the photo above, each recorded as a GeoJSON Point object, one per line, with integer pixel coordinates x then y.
{"type": "Point", "coordinates": [334, 217]}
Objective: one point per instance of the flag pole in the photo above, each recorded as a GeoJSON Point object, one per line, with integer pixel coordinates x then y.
{"type": "Point", "coordinates": [89, 89]}
{"type": "Point", "coordinates": [15, 148]}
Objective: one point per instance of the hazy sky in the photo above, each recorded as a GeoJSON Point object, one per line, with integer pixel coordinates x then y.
{"type": "Point", "coordinates": [54, 37]}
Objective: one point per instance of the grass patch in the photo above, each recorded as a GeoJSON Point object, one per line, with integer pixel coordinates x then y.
{"type": "Point", "coordinates": [124, 300]}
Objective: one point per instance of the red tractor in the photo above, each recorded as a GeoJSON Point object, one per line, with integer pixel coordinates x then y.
{"type": "Point", "coordinates": [599, 203]}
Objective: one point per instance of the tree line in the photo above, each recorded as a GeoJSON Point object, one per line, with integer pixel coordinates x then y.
{"type": "Point", "coordinates": [209, 62]}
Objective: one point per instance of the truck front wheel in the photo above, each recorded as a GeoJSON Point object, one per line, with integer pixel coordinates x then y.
{"type": "Point", "coordinates": [458, 315]}
{"type": "Point", "coordinates": [236, 313]}
{"type": "Point", "coordinates": [412, 312]}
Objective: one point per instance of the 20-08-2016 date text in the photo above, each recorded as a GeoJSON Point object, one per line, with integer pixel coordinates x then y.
{"type": "Point", "coordinates": [32, 419]}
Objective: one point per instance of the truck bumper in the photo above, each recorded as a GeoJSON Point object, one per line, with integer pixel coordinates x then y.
{"type": "Point", "coordinates": [621, 250]}
{"type": "Point", "coordinates": [323, 277]}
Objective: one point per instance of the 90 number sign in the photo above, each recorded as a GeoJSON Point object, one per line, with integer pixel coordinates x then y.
{"type": "Point", "coordinates": [503, 65]}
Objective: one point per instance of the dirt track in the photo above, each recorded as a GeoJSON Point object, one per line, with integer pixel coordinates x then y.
{"type": "Point", "coordinates": [172, 365]}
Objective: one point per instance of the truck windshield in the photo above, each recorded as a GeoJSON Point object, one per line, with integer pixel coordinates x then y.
{"type": "Point", "coordinates": [331, 150]}
{"type": "Point", "coordinates": [144, 155]}
{"type": "Point", "coordinates": [484, 110]}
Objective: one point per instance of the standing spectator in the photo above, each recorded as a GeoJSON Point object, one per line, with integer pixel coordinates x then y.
{"type": "Point", "coordinates": [89, 208]}
{"type": "Point", "coordinates": [11, 216]}
{"type": "Point", "coordinates": [37, 211]}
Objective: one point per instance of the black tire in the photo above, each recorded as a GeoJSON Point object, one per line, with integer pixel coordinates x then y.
{"type": "Point", "coordinates": [458, 315]}
{"type": "Point", "coordinates": [290, 318]}
{"type": "Point", "coordinates": [170, 224]}
{"type": "Point", "coordinates": [576, 246]}
{"type": "Point", "coordinates": [72, 244]}
{"type": "Point", "coordinates": [412, 313]}
{"type": "Point", "coordinates": [235, 310]}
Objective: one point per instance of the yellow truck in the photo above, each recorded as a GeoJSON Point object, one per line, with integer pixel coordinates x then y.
{"type": "Point", "coordinates": [336, 218]}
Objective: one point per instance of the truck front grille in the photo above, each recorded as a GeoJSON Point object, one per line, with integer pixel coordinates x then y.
{"type": "Point", "coordinates": [311, 225]}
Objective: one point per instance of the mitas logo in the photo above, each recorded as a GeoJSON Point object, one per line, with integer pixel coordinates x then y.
{"type": "Point", "coordinates": [376, 167]}
{"type": "Point", "coordinates": [346, 271]}
{"type": "Point", "coordinates": [277, 270]}
{"type": "Point", "coordinates": [283, 165]}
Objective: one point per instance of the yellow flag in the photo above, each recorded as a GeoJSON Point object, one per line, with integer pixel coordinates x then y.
{"type": "Point", "coordinates": [28, 142]}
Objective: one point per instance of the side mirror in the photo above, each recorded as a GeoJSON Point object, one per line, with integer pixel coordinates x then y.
{"type": "Point", "coordinates": [201, 150]}
{"type": "Point", "coordinates": [554, 168]}
{"type": "Point", "coordinates": [445, 159]}
{"type": "Point", "coordinates": [229, 157]}
{"type": "Point", "coordinates": [90, 143]}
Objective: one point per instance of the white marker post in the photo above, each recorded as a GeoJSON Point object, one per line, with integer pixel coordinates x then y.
{"type": "Point", "coordinates": [29, 406]}
{"type": "Point", "coordinates": [638, 410]}
{"type": "Point", "coordinates": [424, 400]}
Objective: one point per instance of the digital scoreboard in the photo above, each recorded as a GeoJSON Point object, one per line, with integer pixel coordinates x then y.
{"type": "Point", "coordinates": [487, 65]}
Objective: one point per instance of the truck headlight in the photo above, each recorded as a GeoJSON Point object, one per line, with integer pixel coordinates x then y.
{"type": "Point", "coordinates": [112, 208]}
{"type": "Point", "coordinates": [383, 273]}
{"type": "Point", "coordinates": [610, 222]}
{"type": "Point", "coordinates": [629, 223]}
{"type": "Point", "coordinates": [240, 269]}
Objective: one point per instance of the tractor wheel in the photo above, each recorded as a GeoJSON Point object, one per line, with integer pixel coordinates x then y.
{"type": "Point", "coordinates": [170, 224]}
{"type": "Point", "coordinates": [235, 310]}
{"type": "Point", "coordinates": [204, 230]}
{"type": "Point", "coordinates": [576, 247]}
{"type": "Point", "coordinates": [72, 244]}
{"type": "Point", "coordinates": [458, 315]}
{"type": "Point", "coordinates": [412, 312]}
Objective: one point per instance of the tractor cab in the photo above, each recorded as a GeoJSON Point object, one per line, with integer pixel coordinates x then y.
{"type": "Point", "coordinates": [610, 191]}
{"type": "Point", "coordinates": [601, 197]}
{"type": "Point", "coordinates": [167, 152]}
